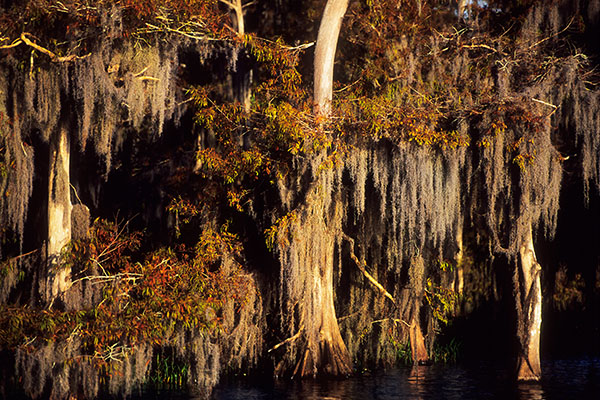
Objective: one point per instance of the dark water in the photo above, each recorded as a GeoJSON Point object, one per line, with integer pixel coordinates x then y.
{"type": "Point", "coordinates": [562, 379]}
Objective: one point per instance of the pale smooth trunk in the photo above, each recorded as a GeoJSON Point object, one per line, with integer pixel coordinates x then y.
{"type": "Point", "coordinates": [329, 31]}
{"type": "Point", "coordinates": [242, 77]}
{"type": "Point", "coordinates": [529, 312]}
{"type": "Point", "coordinates": [59, 214]}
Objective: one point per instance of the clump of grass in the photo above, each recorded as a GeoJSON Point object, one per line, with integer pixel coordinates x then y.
{"type": "Point", "coordinates": [403, 351]}
{"type": "Point", "coordinates": [168, 372]}
{"type": "Point", "coordinates": [446, 353]}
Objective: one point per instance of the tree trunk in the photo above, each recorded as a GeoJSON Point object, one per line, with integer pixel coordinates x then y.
{"type": "Point", "coordinates": [307, 255]}
{"type": "Point", "coordinates": [329, 31]}
{"type": "Point", "coordinates": [529, 311]}
{"type": "Point", "coordinates": [417, 343]}
{"type": "Point", "coordinates": [242, 80]}
{"type": "Point", "coordinates": [59, 213]}
{"type": "Point", "coordinates": [308, 260]}
{"type": "Point", "coordinates": [459, 272]}
{"type": "Point", "coordinates": [242, 76]}
{"type": "Point", "coordinates": [325, 351]}
{"type": "Point", "coordinates": [329, 355]}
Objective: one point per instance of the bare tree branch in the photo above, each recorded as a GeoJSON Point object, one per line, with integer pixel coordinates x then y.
{"type": "Point", "coordinates": [13, 44]}
{"type": "Point", "coordinates": [362, 267]}
{"type": "Point", "coordinates": [288, 340]}
{"type": "Point", "coordinates": [50, 54]}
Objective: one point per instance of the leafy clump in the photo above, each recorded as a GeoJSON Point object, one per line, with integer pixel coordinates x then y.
{"type": "Point", "coordinates": [149, 302]}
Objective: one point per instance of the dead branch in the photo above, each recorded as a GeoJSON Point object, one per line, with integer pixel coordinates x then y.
{"type": "Point", "coordinates": [15, 43]}
{"type": "Point", "coordinates": [141, 72]}
{"type": "Point", "coordinates": [122, 276]}
{"type": "Point", "coordinates": [340, 319]}
{"type": "Point", "coordinates": [50, 54]}
{"type": "Point", "coordinates": [362, 267]}
{"type": "Point", "coordinates": [546, 104]}
{"type": "Point", "coordinates": [394, 320]}
{"type": "Point", "coordinates": [179, 31]}
{"type": "Point", "coordinates": [478, 46]}
{"type": "Point", "coordinates": [288, 340]}
{"type": "Point", "coordinates": [114, 352]}
{"type": "Point", "coordinates": [551, 36]}
{"type": "Point", "coordinates": [302, 46]}
{"type": "Point", "coordinates": [23, 255]}
{"type": "Point", "coordinates": [148, 78]}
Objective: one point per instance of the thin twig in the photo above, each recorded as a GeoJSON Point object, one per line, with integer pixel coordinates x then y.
{"type": "Point", "coordinates": [13, 44]}
{"type": "Point", "coordinates": [478, 46]}
{"type": "Point", "coordinates": [546, 104]}
{"type": "Point", "coordinates": [23, 255]}
{"type": "Point", "coordinates": [194, 35]}
{"type": "Point", "coordinates": [122, 276]}
{"type": "Point", "coordinates": [141, 72]}
{"type": "Point", "coordinates": [551, 36]}
{"type": "Point", "coordinates": [395, 320]}
{"type": "Point", "coordinates": [75, 191]}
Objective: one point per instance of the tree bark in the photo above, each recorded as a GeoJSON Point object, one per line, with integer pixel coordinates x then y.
{"type": "Point", "coordinates": [325, 352]}
{"type": "Point", "coordinates": [308, 261]}
{"type": "Point", "coordinates": [327, 39]}
{"type": "Point", "coordinates": [529, 311]}
{"type": "Point", "coordinates": [238, 9]}
{"type": "Point", "coordinates": [459, 272]}
{"type": "Point", "coordinates": [417, 343]}
{"type": "Point", "coordinates": [330, 354]}
{"type": "Point", "coordinates": [59, 213]}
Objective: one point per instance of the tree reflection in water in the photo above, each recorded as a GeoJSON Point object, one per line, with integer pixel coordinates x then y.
{"type": "Point", "coordinates": [564, 379]}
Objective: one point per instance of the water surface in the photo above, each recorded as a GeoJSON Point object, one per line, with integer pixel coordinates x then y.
{"type": "Point", "coordinates": [562, 379]}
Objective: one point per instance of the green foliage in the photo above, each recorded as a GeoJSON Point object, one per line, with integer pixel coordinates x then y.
{"type": "Point", "coordinates": [409, 73]}
{"type": "Point", "coordinates": [568, 293]}
{"type": "Point", "coordinates": [403, 350]}
{"type": "Point", "coordinates": [168, 371]}
{"type": "Point", "coordinates": [441, 300]}
{"type": "Point", "coordinates": [184, 211]}
{"type": "Point", "coordinates": [279, 62]}
{"type": "Point", "coordinates": [279, 231]}
{"type": "Point", "coordinates": [446, 353]}
{"type": "Point", "coordinates": [446, 265]}
{"type": "Point", "coordinates": [108, 244]}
